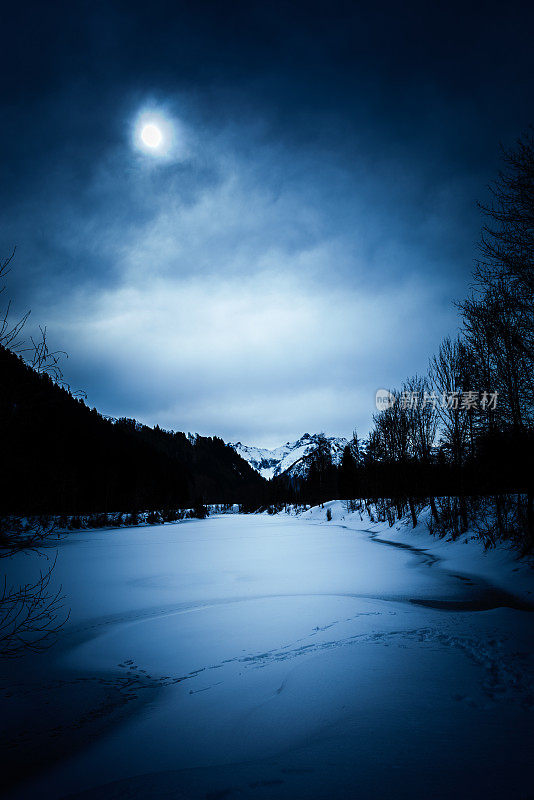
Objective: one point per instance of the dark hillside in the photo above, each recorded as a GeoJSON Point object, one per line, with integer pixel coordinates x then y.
{"type": "Point", "coordinates": [58, 455]}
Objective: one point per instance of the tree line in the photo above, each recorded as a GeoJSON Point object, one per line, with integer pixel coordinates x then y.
{"type": "Point", "coordinates": [460, 438]}
{"type": "Point", "coordinates": [60, 456]}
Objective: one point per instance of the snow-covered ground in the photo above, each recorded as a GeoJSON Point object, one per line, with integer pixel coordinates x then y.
{"type": "Point", "coordinates": [257, 656]}
{"type": "Point", "coordinates": [500, 565]}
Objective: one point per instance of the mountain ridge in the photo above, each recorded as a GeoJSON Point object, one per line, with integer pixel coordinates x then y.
{"type": "Point", "coordinates": [292, 458]}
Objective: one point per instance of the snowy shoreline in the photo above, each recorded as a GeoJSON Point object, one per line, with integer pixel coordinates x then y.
{"type": "Point", "coordinates": [502, 565]}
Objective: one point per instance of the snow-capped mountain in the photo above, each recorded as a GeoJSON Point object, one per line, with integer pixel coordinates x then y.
{"type": "Point", "coordinates": [292, 458]}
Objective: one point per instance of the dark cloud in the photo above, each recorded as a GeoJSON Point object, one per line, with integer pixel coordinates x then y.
{"type": "Point", "coordinates": [303, 243]}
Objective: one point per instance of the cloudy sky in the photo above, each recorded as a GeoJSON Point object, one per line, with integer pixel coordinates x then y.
{"type": "Point", "coordinates": [296, 239]}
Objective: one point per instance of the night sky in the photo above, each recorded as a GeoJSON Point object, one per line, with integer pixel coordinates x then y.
{"type": "Point", "coordinates": [298, 240]}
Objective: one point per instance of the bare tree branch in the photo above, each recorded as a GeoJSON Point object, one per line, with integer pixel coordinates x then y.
{"type": "Point", "coordinates": [31, 615]}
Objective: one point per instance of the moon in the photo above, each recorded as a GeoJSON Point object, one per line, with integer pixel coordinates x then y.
{"type": "Point", "coordinates": [157, 135]}
{"type": "Point", "coordinates": [151, 135]}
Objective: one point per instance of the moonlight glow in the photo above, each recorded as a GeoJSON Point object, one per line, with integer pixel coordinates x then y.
{"type": "Point", "coordinates": [154, 134]}
{"type": "Point", "coordinates": [151, 135]}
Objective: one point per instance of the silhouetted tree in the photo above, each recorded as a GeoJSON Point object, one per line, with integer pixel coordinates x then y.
{"type": "Point", "coordinates": [449, 378]}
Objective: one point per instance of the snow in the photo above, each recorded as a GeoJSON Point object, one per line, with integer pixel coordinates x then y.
{"type": "Point", "coordinates": [284, 657]}
{"type": "Point", "coordinates": [500, 566]}
{"type": "Point", "coordinates": [290, 457]}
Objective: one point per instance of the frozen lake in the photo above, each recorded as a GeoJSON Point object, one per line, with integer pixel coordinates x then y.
{"type": "Point", "coordinates": [248, 656]}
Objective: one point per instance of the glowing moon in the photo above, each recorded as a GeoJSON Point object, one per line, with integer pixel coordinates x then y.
{"type": "Point", "coordinates": [157, 134]}
{"type": "Point", "coordinates": [151, 135]}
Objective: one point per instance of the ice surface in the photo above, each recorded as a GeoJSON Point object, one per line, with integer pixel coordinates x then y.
{"type": "Point", "coordinates": [283, 657]}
